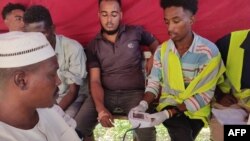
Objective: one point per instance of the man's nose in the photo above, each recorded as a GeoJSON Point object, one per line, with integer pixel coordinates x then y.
{"type": "Point", "coordinates": [109, 18]}
{"type": "Point", "coordinates": [170, 27]}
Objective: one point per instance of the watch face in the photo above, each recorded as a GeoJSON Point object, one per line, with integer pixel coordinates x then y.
{"type": "Point", "coordinates": [138, 115]}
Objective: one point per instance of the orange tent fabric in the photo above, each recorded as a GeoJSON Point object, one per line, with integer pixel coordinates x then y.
{"type": "Point", "coordinates": [78, 18]}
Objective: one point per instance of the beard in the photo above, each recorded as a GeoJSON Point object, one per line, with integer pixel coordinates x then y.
{"type": "Point", "coordinates": [110, 32]}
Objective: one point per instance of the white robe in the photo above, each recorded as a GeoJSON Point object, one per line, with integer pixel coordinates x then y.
{"type": "Point", "coordinates": [51, 127]}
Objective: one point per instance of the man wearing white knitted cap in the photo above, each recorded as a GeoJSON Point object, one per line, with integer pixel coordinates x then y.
{"type": "Point", "coordinates": [28, 87]}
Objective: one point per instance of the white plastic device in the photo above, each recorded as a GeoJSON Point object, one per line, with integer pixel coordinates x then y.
{"type": "Point", "coordinates": [139, 118]}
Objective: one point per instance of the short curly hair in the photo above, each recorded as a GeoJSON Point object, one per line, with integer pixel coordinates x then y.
{"type": "Point", "coordinates": [38, 13]}
{"type": "Point", "coordinates": [10, 7]}
{"type": "Point", "coordinates": [190, 5]}
{"type": "Point", "coordinates": [119, 1]}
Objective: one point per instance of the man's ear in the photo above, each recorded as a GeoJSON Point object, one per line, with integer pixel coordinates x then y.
{"type": "Point", "coordinates": [20, 80]}
{"type": "Point", "coordinates": [192, 19]}
{"type": "Point", "coordinates": [6, 22]}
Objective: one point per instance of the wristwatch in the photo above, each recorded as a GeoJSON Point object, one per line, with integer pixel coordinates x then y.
{"type": "Point", "coordinates": [177, 110]}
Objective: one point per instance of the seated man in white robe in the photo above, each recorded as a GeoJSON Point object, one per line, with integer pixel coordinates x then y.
{"type": "Point", "coordinates": [28, 88]}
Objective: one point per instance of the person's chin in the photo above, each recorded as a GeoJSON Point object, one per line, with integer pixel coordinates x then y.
{"type": "Point", "coordinates": [175, 38]}
{"type": "Point", "coordinates": [56, 94]}
{"type": "Point", "coordinates": [51, 105]}
{"type": "Point", "coordinates": [53, 100]}
{"type": "Point", "coordinates": [47, 105]}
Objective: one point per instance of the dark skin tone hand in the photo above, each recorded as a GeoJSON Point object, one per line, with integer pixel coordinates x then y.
{"type": "Point", "coordinates": [107, 121]}
{"type": "Point", "coordinates": [225, 99]}
{"type": "Point", "coordinates": [228, 100]}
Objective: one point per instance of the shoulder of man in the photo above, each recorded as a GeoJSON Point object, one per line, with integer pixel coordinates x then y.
{"type": "Point", "coordinates": [209, 45]}
{"type": "Point", "coordinates": [68, 41]}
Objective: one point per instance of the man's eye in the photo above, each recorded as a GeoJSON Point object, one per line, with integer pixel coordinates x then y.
{"type": "Point", "coordinates": [176, 21]}
{"type": "Point", "coordinates": [19, 18]}
{"type": "Point", "coordinates": [104, 15]}
{"type": "Point", "coordinates": [114, 15]}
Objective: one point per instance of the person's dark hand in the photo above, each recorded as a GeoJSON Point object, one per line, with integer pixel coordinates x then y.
{"type": "Point", "coordinates": [106, 119]}
{"type": "Point", "coordinates": [149, 65]}
{"type": "Point", "coordinates": [228, 100]}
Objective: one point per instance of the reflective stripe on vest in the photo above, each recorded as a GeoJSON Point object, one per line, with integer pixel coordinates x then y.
{"type": "Point", "coordinates": [173, 78]}
{"type": "Point", "coordinates": [234, 66]}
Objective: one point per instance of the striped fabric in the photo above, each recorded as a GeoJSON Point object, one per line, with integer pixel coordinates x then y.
{"type": "Point", "coordinates": [192, 62]}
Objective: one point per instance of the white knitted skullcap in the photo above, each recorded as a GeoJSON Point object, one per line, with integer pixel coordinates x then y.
{"type": "Point", "coordinates": [18, 49]}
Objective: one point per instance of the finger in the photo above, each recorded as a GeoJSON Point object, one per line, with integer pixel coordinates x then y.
{"type": "Point", "coordinates": [109, 120]}
{"type": "Point", "coordinates": [130, 114]}
{"type": "Point", "coordinates": [103, 124]}
{"type": "Point", "coordinates": [112, 119]}
{"type": "Point", "coordinates": [152, 116]}
{"type": "Point", "coordinates": [230, 101]}
{"type": "Point", "coordinates": [104, 121]}
{"type": "Point", "coordinates": [225, 102]}
{"type": "Point", "coordinates": [135, 109]}
{"type": "Point", "coordinates": [109, 123]}
{"type": "Point", "coordinates": [233, 100]}
{"type": "Point", "coordinates": [155, 122]}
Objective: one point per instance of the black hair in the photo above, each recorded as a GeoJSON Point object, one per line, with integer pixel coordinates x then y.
{"type": "Point", "coordinates": [119, 1]}
{"type": "Point", "coordinates": [190, 5]}
{"type": "Point", "coordinates": [12, 6]}
{"type": "Point", "coordinates": [38, 13]}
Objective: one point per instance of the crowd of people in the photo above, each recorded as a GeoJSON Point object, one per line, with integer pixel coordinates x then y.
{"type": "Point", "coordinates": [45, 77]}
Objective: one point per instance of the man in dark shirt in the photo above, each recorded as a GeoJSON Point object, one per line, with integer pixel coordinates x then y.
{"type": "Point", "coordinates": [234, 92]}
{"type": "Point", "coordinates": [116, 78]}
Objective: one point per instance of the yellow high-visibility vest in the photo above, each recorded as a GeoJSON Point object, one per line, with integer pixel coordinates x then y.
{"type": "Point", "coordinates": [172, 76]}
{"type": "Point", "coordinates": [234, 66]}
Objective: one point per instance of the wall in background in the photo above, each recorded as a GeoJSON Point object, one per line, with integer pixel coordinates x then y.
{"type": "Point", "coordinates": [78, 18]}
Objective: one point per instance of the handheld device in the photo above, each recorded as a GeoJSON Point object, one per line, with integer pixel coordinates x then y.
{"type": "Point", "coordinates": [139, 119]}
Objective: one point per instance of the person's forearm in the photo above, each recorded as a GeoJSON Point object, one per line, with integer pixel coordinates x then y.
{"type": "Point", "coordinates": [70, 97]}
{"type": "Point", "coordinates": [149, 97]}
{"type": "Point", "coordinates": [97, 95]}
{"type": "Point", "coordinates": [154, 46]}
{"type": "Point", "coordinates": [200, 100]}
{"type": "Point", "coordinates": [182, 107]}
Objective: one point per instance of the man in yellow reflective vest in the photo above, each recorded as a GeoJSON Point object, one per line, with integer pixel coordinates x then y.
{"type": "Point", "coordinates": [187, 67]}
{"type": "Point", "coordinates": [234, 93]}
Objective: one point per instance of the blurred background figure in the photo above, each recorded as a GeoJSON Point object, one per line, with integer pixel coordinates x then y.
{"type": "Point", "coordinates": [12, 15]}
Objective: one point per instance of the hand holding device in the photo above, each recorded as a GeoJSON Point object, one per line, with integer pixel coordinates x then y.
{"type": "Point", "coordinates": [158, 118]}
{"type": "Point", "coordinates": [142, 107]}
{"type": "Point", "coordinates": [139, 119]}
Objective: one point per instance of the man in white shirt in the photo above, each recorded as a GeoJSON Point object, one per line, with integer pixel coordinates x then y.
{"type": "Point", "coordinates": [28, 88]}
{"type": "Point", "coordinates": [70, 56]}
